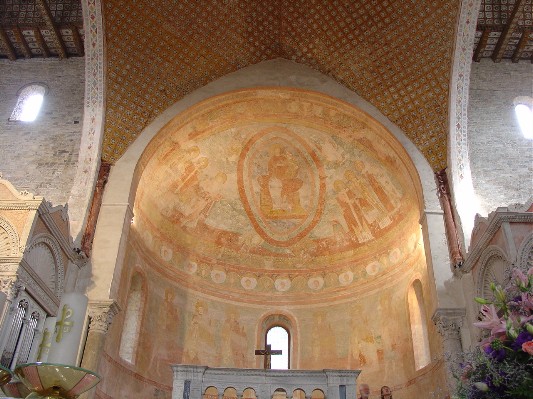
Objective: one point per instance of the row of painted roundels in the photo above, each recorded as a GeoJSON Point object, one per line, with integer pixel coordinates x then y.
{"type": "Point", "coordinates": [283, 284]}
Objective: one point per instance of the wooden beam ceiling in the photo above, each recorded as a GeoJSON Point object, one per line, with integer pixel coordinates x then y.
{"type": "Point", "coordinates": [51, 26]}
{"type": "Point", "coordinates": [23, 43]}
{"type": "Point", "coordinates": [41, 42]}
{"type": "Point", "coordinates": [78, 42]}
{"type": "Point", "coordinates": [6, 43]}
{"type": "Point", "coordinates": [521, 45]}
{"type": "Point", "coordinates": [482, 44]}
{"type": "Point", "coordinates": [511, 26]}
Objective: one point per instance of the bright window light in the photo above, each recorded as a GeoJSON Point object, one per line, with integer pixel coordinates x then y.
{"type": "Point", "coordinates": [278, 338]}
{"type": "Point", "coordinates": [29, 103]}
{"type": "Point", "coordinates": [524, 113]}
{"type": "Point", "coordinates": [31, 108]}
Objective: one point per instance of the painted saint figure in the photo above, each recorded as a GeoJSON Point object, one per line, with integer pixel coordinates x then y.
{"type": "Point", "coordinates": [364, 391]}
{"type": "Point", "coordinates": [386, 392]}
{"type": "Point", "coordinates": [352, 212]}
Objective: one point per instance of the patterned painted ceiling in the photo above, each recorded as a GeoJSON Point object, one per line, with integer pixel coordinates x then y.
{"type": "Point", "coordinates": [394, 53]}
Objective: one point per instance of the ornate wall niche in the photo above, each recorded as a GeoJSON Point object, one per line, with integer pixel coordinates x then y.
{"type": "Point", "coordinates": [9, 240]}
{"type": "Point", "coordinates": [494, 267]}
{"type": "Point", "coordinates": [524, 258]}
{"type": "Point", "coordinates": [44, 257]}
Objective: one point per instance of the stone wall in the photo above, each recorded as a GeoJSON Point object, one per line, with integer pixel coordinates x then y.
{"type": "Point", "coordinates": [501, 158]}
{"type": "Point", "coordinates": [41, 156]}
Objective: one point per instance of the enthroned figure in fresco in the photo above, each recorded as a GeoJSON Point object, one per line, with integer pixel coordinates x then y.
{"type": "Point", "coordinates": [352, 212]}
{"type": "Point", "coordinates": [280, 187]}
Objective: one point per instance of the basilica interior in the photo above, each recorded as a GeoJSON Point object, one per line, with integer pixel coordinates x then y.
{"type": "Point", "coordinates": [200, 174]}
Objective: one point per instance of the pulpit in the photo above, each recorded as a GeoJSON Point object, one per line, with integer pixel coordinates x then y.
{"type": "Point", "coordinates": [191, 382]}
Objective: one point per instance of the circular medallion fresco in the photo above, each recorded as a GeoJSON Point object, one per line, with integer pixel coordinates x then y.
{"type": "Point", "coordinates": [276, 191]}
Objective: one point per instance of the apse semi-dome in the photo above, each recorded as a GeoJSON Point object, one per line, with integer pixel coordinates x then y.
{"type": "Point", "coordinates": [277, 195]}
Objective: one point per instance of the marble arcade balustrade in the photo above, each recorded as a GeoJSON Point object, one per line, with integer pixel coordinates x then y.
{"type": "Point", "coordinates": [191, 382]}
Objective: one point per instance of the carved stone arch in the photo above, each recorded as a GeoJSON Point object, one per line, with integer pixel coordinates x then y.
{"type": "Point", "coordinates": [494, 268]}
{"type": "Point", "coordinates": [46, 246]}
{"type": "Point", "coordinates": [524, 260]}
{"type": "Point", "coordinates": [9, 240]}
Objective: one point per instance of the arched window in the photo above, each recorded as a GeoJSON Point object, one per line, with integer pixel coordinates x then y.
{"type": "Point", "coordinates": [277, 338]}
{"type": "Point", "coordinates": [29, 103]}
{"type": "Point", "coordinates": [132, 320]}
{"type": "Point", "coordinates": [524, 113]}
{"type": "Point", "coordinates": [419, 330]}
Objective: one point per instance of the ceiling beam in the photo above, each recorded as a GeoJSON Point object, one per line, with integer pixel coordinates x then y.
{"type": "Point", "coordinates": [481, 44]}
{"type": "Point", "coordinates": [521, 45]}
{"type": "Point", "coordinates": [49, 21]}
{"type": "Point", "coordinates": [512, 23]}
{"type": "Point", "coordinates": [20, 38]}
{"type": "Point", "coordinates": [8, 46]}
{"type": "Point", "coordinates": [78, 43]}
{"type": "Point", "coordinates": [40, 41]}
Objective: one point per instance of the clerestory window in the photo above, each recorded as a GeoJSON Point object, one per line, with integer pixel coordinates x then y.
{"type": "Point", "coordinates": [29, 102]}
{"type": "Point", "coordinates": [524, 113]}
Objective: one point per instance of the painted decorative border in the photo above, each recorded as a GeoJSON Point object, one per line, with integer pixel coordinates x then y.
{"type": "Point", "coordinates": [459, 87]}
{"type": "Point", "coordinates": [93, 119]}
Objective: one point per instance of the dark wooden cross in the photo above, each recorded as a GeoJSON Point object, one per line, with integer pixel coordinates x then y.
{"type": "Point", "coordinates": [267, 352]}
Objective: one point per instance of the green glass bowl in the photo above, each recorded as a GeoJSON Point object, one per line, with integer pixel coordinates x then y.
{"type": "Point", "coordinates": [49, 380]}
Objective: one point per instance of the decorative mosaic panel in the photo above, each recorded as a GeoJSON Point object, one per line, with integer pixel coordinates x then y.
{"type": "Point", "coordinates": [395, 54]}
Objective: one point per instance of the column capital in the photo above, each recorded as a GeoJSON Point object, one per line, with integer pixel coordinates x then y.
{"type": "Point", "coordinates": [11, 286]}
{"type": "Point", "coordinates": [449, 321]}
{"type": "Point", "coordinates": [101, 314]}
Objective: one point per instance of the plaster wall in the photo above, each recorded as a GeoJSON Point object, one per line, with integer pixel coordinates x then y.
{"type": "Point", "coordinates": [501, 158]}
{"type": "Point", "coordinates": [182, 326]}
{"type": "Point", "coordinates": [42, 156]}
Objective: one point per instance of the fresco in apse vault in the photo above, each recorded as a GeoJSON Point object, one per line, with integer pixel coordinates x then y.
{"type": "Point", "coordinates": [275, 180]}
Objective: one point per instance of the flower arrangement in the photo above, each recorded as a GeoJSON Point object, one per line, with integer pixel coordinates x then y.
{"type": "Point", "coordinates": [502, 365]}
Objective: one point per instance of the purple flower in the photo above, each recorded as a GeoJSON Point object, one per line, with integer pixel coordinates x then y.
{"type": "Point", "coordinates": [523, 337]}
{"type": "Point", "coordinates": [496, 354]}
